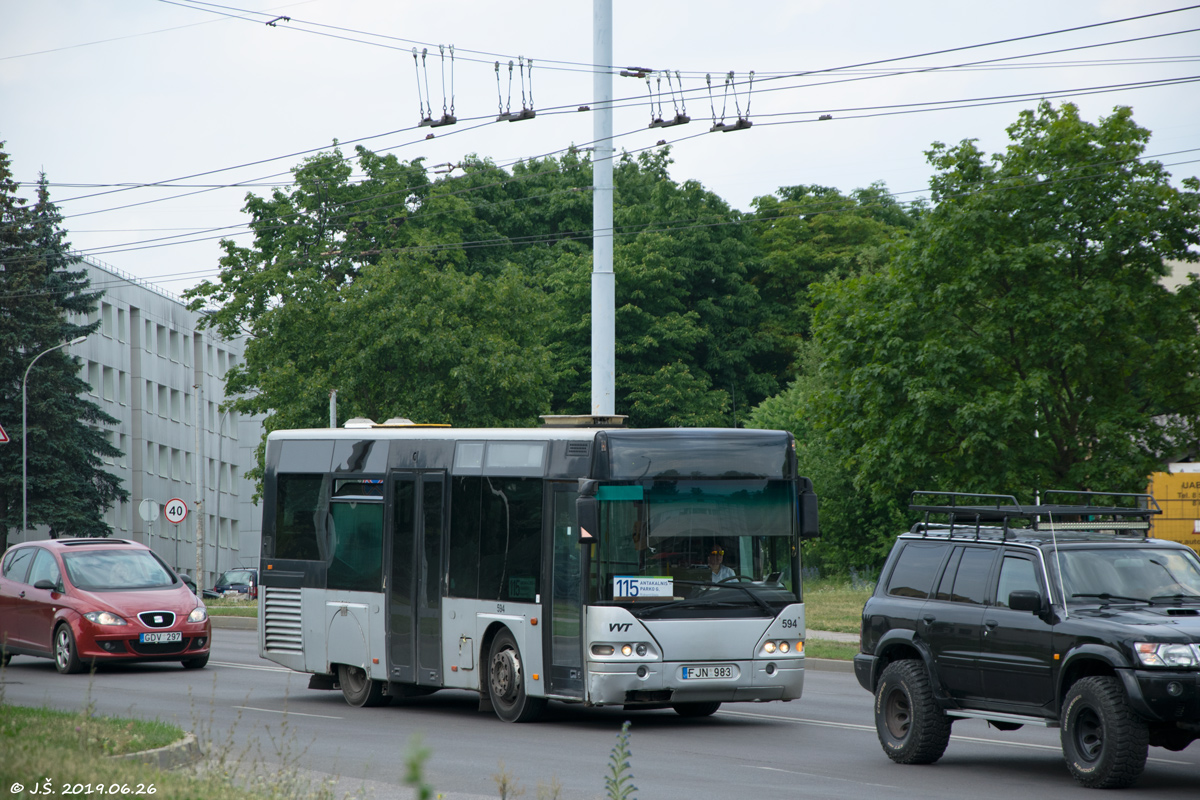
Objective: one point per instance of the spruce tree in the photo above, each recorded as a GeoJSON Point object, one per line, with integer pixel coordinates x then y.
{"type": "Point", "coordinates": [43, 303]}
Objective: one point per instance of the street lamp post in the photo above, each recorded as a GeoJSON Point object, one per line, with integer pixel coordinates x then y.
{"type": "Point", "coordinates": [25, 432]}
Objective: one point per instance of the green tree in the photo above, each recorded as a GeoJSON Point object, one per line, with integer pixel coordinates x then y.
{"type": "Point", "coordinates": [1022, 340]}
{"type": "Point", "coordinates": [809, 233]}
{"type": "Point", "coordinates": [40, 297]}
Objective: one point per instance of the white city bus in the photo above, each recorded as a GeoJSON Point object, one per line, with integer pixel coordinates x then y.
{"type": "Point", "coordinates": [568, 562]}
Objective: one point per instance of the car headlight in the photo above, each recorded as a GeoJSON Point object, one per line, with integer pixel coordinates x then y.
{"type": "Point", "coordinates": [104, 618]}
{"type": "Point", "coordinates": [199, 614]}
{"type": "Point", "coordinates": [1156, 654]}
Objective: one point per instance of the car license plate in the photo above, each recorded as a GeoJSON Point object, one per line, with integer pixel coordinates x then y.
{"type": "Point", "coordinates": [161, 637]}
{"type": "Point", "coordinates": [715, 671]}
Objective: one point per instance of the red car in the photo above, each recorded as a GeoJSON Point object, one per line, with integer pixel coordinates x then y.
{"type": "Point", "coordinates": [89, 601]}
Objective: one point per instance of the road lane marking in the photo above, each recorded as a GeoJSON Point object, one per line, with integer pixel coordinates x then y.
{"type": "Point", "coordinates": [235, 665]}
{"type": "Point", "coordinates": [819, 775]}
{"type": "Point", "coordinates": [289, 713]}
{"type": "Point", "coordinates": [954, 737]}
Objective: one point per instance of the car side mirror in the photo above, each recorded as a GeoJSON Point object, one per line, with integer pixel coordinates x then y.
{"type": "Point", "coordinates": [1025, 600]}
{"type": "Point", "coordinates": [46, 583]}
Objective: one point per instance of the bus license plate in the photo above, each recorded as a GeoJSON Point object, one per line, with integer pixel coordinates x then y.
{"type": "Point", "coordinates": [709, 672]}
{"type": "Point", "coordinates": [161, 638]}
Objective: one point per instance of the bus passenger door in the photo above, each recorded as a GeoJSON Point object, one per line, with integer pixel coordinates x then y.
{"type": "Point", "coordinates": [414, 583]}
{"type": "Point", "coordinates": [562, 604]}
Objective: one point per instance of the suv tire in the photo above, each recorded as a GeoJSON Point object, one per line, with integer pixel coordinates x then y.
{"type": "Point", "coordinates": [912, 728]}
{"type": "Point", "coordinates": [1103, 741]}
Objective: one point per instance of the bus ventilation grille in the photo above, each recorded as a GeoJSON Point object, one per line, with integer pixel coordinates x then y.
{"type": "Point", "coordinates": [282, 630]}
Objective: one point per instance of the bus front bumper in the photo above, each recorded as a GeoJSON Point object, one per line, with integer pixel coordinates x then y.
{"type": "Point", "coordinates": [658, 683]}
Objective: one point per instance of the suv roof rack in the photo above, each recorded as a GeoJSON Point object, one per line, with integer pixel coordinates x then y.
{"type": "Point", "coordinates": [999, 510]}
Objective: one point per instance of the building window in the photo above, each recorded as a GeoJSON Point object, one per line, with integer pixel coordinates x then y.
{"type": "Point", "coordinates": [176, 404]}
{"type": "Point", "coordinates": [106, 320]}
{"type": "Point", "coordinates": [122, 460]}
{"type": "Point", "coordinates": [175, 346]}
{"type": "Point", "coordinates": [163, 401]}
{"type": "Point", "coordinates": [149, 402]}
{"type": "Point", "coordinates": [148, 339]}
{"type": "Point", "coordinates": [122, 389]}
{"type": "Point", "coordinates": [164, 461]}
{"type": "Point", "coordinates": [110, 383]}
{"type": "Point", "coordinates": [120, 324]}
{"type": "Point", "coordinates": [189, 468]}
{"type": "Point", "coordinates": [93, 379]}
{"type": "Point", "coordinates": [187, 406]}
{"type": "Point", "coordinates": [176, 464]}
{"type": "Point", "coordinates": [162, 341]}
{"type": "Point", "coordinates": [149, 465]}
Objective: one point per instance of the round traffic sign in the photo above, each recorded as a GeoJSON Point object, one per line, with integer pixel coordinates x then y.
{"type": "Point", "coordinates": [175, 510]}
{"type": "Point", "coordinates": [148, 510]}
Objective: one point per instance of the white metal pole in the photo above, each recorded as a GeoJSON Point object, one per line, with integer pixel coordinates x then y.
{"type": "Point", "coordinates": [25, 432]}
{"type": "Point", "coordinates": [603, 281]}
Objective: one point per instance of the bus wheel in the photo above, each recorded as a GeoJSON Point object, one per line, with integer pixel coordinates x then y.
{"type": "Point", "coordinates": [358, 688]}
{"type": "Point", "coordinates": [696, 709]}
{"type": "Point", "coordinates": [506, 683]}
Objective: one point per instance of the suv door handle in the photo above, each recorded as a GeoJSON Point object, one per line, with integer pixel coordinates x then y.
{"type": "Point", "coordinates": [990, 623]}
{"type": "Point", "coordinates": [929, 618]}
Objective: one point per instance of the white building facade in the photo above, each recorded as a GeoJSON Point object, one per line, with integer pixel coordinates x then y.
{"type": "Point", "coordinates": [151, 367]}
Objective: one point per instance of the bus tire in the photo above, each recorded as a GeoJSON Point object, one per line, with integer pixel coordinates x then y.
{"type": "Point", "coordinates": [696, 709]}
{"type": "Point", "coordinates": [506, 682]}
{"type": "Point", "coordinates": [358, 688]}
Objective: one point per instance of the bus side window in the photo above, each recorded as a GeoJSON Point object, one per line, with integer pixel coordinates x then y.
{"type": "Point", "coordinates": [299, 505]}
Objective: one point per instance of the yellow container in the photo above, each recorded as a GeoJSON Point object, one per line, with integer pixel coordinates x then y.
{"type": "Point", "coordinates": [1178, 495]}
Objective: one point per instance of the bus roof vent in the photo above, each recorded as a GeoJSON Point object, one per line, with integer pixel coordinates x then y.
{"type": "Point", "coordinates": [583, 420]}
{"type": "Point", "coordinates": [359, 422]}
{"type": "Point", "coordinates": [398, 421]}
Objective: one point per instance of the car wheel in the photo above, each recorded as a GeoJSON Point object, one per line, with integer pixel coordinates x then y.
{"type": "Point", "coordinates": [199, 662]}
{"type": "Point", "coordinates": [696, 709]}
{"type": "Point", "coordinates": [66, 656]}
{"type": "Point", "coordinates": [506, 683]}
{"type": "Point", "coordinates": [358, 688]}
{"type": "Point", "coordinates": [912, 728]}
{"type": "Point", "coordinates": [1104, 742]}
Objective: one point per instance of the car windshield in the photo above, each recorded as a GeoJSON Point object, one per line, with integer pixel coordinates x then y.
{"type": "Point", "coordinates": [1147, 574]}
{"type": "Point", "coordinates": [696, 547]}
{"type": "Point", "coordinates": [235, 576]}
{"type": "Point", "coordinates": [111, 571]}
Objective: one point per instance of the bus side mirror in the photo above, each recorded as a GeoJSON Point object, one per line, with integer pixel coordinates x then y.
{"type": "Point", "coordinates": [809, 525]}
{"type": "Point", "coordinates": [587, 511]}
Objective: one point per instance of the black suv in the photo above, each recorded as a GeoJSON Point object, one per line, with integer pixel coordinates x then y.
{"type": "Point", "coordinates": [1059, 615]}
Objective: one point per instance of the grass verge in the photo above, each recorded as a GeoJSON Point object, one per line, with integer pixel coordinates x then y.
{"type": "Point", "coordinates": [835, 605]}
{"type": "Point", "coordinates": [823, 648]}
{"type": "Point", "coordinates": [221, 607]}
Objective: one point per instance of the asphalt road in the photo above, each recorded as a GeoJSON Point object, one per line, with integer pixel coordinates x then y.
{"type": "Point", "coordinates": [822, 746]}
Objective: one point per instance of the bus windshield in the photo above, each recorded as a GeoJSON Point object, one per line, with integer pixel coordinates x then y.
{"type": "Point", "coordinates": [696, 547]}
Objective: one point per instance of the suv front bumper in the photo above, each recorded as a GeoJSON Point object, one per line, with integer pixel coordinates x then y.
{"type": "Point", "coordinates": [1162, 695]}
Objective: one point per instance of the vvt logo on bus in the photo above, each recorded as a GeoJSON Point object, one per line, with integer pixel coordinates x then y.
{"type": "Point", "coordinates": [619, 626]}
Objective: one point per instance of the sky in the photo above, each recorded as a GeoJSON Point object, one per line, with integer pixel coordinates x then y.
{"type": "Point", "coordinates": [153, 119]}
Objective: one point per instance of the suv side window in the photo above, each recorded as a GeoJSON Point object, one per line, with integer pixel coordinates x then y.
{"type": "Point", "coordinates": [915, 569]}
{"type": "Point", "coordinates": [1016, 573]}
{"type": "Point", "coordinates": [971, 576]}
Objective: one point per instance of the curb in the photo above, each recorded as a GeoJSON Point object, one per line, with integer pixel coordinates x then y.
{"type": "Point", "coordinates": [179, 754]}
{"type": "Point", "coordinates": [234, 623]}
{"type": "Point", "coordinates": [828, 665]}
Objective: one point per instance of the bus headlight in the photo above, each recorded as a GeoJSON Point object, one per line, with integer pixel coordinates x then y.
{"type": "Point", "coordinates": [626, 649]}
{"type": "Point", "coordinates": [769, 647]}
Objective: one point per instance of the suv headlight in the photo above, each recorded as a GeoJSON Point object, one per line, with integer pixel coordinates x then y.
{"type": "Point", "coordinates": [104, 618]}
{"type": "Point", "coordinates": [199, 614]}
{"type": "Point", "coordinates": [1155, 654]}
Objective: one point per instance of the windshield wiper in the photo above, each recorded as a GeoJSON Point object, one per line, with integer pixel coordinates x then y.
{"type": "Point", "coordinates": [1105, 596]}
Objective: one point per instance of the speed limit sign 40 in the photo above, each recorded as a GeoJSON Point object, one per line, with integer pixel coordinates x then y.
{"type": "Point", "coordinates": [175, 510]}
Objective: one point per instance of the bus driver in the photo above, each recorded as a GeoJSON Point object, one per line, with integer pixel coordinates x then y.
{"type": "Point", "coordinates": [720, 572]}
